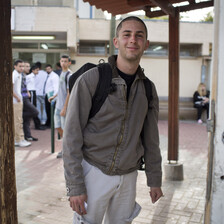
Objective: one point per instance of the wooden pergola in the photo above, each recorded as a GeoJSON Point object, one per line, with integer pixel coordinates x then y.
{"type": "Point", "coordinates": [156, 8]}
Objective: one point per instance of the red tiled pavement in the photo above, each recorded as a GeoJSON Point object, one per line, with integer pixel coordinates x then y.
{"type": "Point", "coordinates": [42, 194]}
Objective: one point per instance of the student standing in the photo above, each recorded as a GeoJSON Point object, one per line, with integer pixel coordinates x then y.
{"type": "Point", "coordinates": [29, 110]}
{"type": "Point", "coordinates": [102, 154]}
{"type": "Point", "coordinates": [62, 97]}
{"type": "Point", "coordinates": [50, 89]}
{"type": "Point", "coordinates": [18, 104]}
{"type": "Point", "coordinates": [39, 85]}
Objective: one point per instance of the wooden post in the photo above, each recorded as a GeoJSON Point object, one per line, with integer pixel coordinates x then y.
{"type": "Point", "coordinates": [173, 109]}
{"type": "Point", "coordinates": [8, 207]}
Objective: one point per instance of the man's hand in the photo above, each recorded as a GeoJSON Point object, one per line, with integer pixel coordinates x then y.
{"type": "Point", "coordinates": [77, 204]}
{"type": "Point", "coordinates": [63, 112]}
{"type": "Point", "coordinates": [50, 99]}
{"type": "Point", "coordinates": [155, 193]}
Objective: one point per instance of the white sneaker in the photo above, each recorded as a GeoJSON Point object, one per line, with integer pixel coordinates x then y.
{"type": "Point", "coordinates": [24, 143]}
{"type": "Point", "coordinates": [16, 143]}
{"type": "Point", "coordinates": [200, 121]}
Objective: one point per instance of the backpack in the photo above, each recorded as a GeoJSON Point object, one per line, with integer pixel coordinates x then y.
{"type": "Point", "coordinates": [104, 87]}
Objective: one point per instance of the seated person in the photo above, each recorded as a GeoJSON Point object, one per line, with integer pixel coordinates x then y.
{"type": "Point", "coordinates": [201, 101]}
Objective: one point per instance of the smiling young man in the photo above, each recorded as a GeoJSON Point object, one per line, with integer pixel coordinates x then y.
{"type": "Point", "coordinates": [102, 154]}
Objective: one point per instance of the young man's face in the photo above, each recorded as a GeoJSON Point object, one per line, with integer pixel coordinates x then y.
{"type": "Point", "coordinates": [19, 67]}
{"type": "Point", "coordinates": [48, 70]}
{"type": "Point", "coordinates": [26, 68]}
{"type": "Point", "coordinates": [64, 62]}
{"type": "Point", "coordinates": [131, 41]}
{"type": "Point", "coordinates": [35, 71]}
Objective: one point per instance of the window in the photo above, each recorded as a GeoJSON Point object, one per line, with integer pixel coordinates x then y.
{"type": "Point", "coordinates": [190, 50]}
{"type": "Point", "coordinates": [47, 46]}
{"type": "Point", "coordinates": [50, 2]}
{"type": "Point", "coordinates": [25, 45]}
{"type": "Point", "coordinates": [93, 48]}
{"type": "Point", "coordinates": [162, 49]}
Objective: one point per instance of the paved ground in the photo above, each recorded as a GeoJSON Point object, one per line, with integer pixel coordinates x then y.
{"type": "Point", "coordinates": [42, 195]}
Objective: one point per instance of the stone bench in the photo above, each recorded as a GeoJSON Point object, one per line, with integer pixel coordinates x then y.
{"type": "Point", "coordinates": [186, 109]}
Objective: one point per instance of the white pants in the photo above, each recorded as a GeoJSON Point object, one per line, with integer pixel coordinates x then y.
{"type": "Point", "coordinates": [110, 198]}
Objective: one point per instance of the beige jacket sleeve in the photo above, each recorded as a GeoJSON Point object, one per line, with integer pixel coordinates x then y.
{"type": "Point", "coordinates": [80, 103]}
{"type": "Point", "coordinates": [152, 154]}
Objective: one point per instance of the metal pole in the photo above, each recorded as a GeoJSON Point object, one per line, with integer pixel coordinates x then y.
{"type": "Point", "coordinates": [112, 34]}
{"type": "Point", "coordinates": [52, 126]}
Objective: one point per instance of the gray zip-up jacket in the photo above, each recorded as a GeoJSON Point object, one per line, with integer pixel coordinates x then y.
{"type": "Point", "coordinates": [111, 140]}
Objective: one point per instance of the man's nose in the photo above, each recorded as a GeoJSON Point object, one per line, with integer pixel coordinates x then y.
{"type": "Point", "coordinates": [133, 38]}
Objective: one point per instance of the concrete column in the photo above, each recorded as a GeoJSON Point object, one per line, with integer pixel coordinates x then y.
{"type": "Point", "coordinates": [215, 186]}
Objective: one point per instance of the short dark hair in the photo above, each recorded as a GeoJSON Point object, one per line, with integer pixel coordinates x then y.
{"type": "Point", "coordinates": [38, 64]}
{"type": "Point", "coordinates": [66, 56]}
{"type": "Point", "coordinates": [17, 62]}
{"type": "Point", "coordinates": [128, 19]}
{"type": "Point", "coordinates": [33, 67]}
{"type": "Point", "coordinates": [48, 65]}
{"type": "Point", "coordinates": [58, 64]}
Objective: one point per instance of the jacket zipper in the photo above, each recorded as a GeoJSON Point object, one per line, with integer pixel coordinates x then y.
{"type": "Point", "coordinates": [121, 134]}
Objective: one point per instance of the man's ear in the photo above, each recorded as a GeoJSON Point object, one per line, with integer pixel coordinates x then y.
{"type": "Point", "coordinates": [147, 44]}
{"type": "Point", "coordinates": [115, 41]}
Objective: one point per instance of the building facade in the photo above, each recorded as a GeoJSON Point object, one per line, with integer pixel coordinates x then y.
{"type": "Point", "coordinates": [82, 31]}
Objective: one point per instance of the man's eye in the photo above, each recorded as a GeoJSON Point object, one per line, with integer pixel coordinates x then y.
{"type": "Point", "coordinates": [140, 36]}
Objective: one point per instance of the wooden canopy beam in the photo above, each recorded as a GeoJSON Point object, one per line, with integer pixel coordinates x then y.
{"type": "Point", "coordinates": [165, 6]}
{"type": "Point", "coordinates": [185, 8]}
{"type": "Point", "coordinates": [135, 3]}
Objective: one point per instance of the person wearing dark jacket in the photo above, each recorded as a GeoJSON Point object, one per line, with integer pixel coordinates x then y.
{"type": "Point", "coordinates": [102, 154]}
{"type": "Point", "coordinates": [201, 101]}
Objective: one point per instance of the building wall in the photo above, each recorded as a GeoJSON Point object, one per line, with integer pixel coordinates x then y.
{"type": "Point", "coordinates": [43, 20]}
{"type": "Point", "coordinates": [47, 19]}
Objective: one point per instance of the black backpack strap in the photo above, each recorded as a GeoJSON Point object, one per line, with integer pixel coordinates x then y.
{"type": "Point", "coordinates": [78, 73]}
{"type": "Point", "coordinates": [66, 79]}
{"type": "Point", "coordinates": [103, 88]}
{"type": "Point", "coordinates": [148, 90]}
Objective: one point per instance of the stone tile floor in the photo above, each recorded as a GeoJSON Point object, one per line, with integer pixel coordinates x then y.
{"type": "Point", "coordinates": [42, 194]}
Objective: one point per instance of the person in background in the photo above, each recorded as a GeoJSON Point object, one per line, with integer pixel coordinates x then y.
{"type": "Point", "coordinates": [29, 110]}
{"type": "Point", "coordinates": [58, 68]}
{"type": "Point", "coordinates": [26, 70]}
{"type": "Point", "coordinates": [50, 89]}
{"type": "Point", "coordinates": [102, 154]}
{"type": "Point", "coordinates": [18, 104]}
{"type": "Point", "coordinates": [201, 101]}
{"type": "Point", "coordinates": [31, 87]}
{"type": "Point", "coordinates": [39, 85]}
{"type": "Point", "coordinates": [62, 97]}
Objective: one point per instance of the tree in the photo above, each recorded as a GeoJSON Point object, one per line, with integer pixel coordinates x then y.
{"type": "Point", "coordinates": [208, 18]}
{"type": "Point", "coordinates": [8, 206]}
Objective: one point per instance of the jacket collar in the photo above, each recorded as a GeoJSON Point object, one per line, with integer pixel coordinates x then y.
{"type": "Point", "coordinates": [112, 61]}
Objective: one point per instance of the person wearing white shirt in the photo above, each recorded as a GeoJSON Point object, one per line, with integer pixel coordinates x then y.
{"type": "Point", "coordinates": [18, 104]}
{"type": "Point", "coordinates": [39, 84]}
{"type": "Point", "coordinates": [51, 89]}
{"type": "Point", "coordinates": [30, 83]}
{"type": "Point", "coordinates": [31, 87]}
